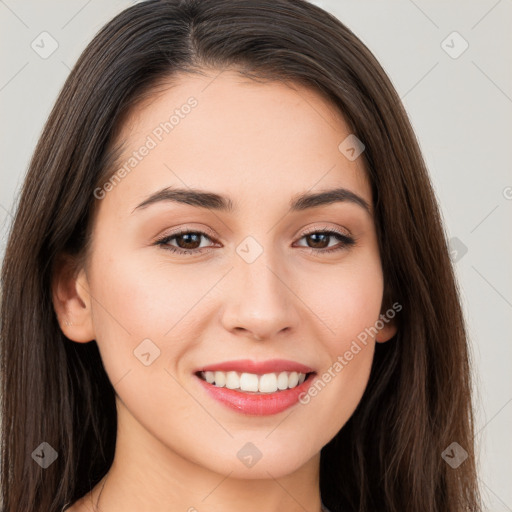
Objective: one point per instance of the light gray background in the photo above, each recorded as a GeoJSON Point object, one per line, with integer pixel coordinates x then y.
{"type": "Point", "coordinates": [460, 108]}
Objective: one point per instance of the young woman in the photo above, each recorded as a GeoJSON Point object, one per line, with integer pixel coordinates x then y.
{"type": "Point", "coordinates": [227, 285]}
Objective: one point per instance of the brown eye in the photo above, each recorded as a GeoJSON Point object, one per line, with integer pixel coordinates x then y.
{"type": "Point", "coordinates": [318, 241]}
{"type": "Point", "coordinates": [186, 242]}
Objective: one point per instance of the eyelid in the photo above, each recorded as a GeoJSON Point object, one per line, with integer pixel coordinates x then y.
{"type": "Point", "coordinates": [186, 229]}
{"type": "Point", "coordinates": [327, 227]}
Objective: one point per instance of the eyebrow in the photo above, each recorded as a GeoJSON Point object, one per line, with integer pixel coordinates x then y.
{"type": "Point", "coordinates": [213, 201]}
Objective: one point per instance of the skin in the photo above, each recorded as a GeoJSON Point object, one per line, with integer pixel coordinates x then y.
{"type": "Point", "coordinates": [260, 144]}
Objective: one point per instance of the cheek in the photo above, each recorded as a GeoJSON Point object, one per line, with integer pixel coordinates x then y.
{"type": "Point", "coordinates": [346, 297]}
{"type": "Point", "coordinates": [348, 302]}
{"type": "Point", "coordinates": [146, 297]}
{"type": "Point", "coordinates": [138, 308]}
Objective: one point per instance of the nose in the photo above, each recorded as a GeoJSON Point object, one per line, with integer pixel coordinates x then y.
{"type": "Point", "coordinates": [260, 302]}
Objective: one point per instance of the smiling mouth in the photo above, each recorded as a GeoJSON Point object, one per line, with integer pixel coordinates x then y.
{"type": "Point", "coordinates": [257, 384]}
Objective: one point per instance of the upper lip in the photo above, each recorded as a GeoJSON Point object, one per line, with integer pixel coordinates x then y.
{"type": "Point", "coordinates": [258, 367]}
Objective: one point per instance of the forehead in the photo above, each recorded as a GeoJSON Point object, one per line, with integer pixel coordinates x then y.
{"type": "Point", "coordinates": [222, 131]}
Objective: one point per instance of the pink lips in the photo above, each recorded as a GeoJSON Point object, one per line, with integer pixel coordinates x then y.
{"type": "Point", "coordinates": [259, 368]}
{"type": "Point", "coordinates": [257, 404]}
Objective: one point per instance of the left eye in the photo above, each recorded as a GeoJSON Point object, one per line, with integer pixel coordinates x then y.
{"type": "Point", "coordinates": [187, 241]}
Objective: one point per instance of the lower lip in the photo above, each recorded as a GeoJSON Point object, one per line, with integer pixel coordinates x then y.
{"type": "Point", "coordinates": [257, 404]}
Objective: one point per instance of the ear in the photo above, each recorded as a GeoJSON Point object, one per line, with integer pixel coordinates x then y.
{"type": "Point", "coordinates": [387, 332]}
{"type": "Point", "coordinates": [72, 301]}
{"type": "Point", "coordinates": [387, 326]}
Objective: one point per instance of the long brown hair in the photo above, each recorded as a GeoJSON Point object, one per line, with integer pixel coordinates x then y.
{"type": "Point", "coordinates": [388, 456]}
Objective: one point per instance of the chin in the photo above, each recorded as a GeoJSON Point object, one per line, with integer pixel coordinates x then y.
{"type": "Point", "coordinates": [255, 461]}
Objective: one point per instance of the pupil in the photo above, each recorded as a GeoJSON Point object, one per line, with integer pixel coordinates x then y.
{"type": "Point", "coordinates": [190, 235]}
{"type": "Point", "coordinates": [316, 235]}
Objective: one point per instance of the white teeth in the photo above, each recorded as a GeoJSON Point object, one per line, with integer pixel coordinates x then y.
{"type": "Point", "coordinates": [232, 380]}
{"type": "Point", "coordinates": [249, 382]}
{"type": "Point", "coordinates": [293, 380]}
{"type": "Point", "coordinates": [267, 383]}
{"type": "Point", "coordinates": [282, 381]}
{"type": "Point", "coordinates": [220, 379]}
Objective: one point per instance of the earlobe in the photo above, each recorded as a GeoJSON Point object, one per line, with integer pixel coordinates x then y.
{"type": "Point", "coordinates": [386, 333]}
{"type": "Point", "coordinates": [387, 323]}
{"type": "Point", "coordinates": [71, 301]}
{"type": "Point", "coordinates": [387, 329]}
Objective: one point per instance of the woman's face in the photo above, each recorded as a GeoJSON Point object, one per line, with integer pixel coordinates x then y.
{"type": "Point", "coordinates": [257, 281]}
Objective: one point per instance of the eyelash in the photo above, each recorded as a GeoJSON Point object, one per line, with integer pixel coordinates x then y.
{"type": "Point", "coordinates": [346, 241]}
